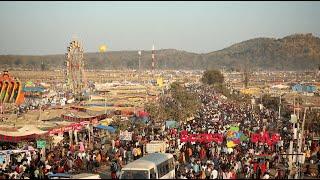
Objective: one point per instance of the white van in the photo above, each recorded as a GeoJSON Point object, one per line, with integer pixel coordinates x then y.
{"type": "Point", "coordinates": [152, 166]}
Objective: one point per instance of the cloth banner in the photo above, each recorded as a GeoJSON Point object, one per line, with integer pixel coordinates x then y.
{"type": "Point", "coordinates": [202, 138]}
{"type": "Point", "coordinates": [264, 137]}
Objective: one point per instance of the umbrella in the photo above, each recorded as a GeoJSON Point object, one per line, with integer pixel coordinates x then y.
{"type": "Point", "coordinates": [243, 138]}
{"type": "Point", "coordinates": [231, 144]}
{"type": "Point", "coordinates": [234, 128]}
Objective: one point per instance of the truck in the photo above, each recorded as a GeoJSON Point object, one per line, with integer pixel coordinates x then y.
{"type": "Point", "coordinates": [156, 147]}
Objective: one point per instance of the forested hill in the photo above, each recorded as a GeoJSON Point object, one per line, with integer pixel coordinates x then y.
{"type": "Point", "coordinates": [294, 52]}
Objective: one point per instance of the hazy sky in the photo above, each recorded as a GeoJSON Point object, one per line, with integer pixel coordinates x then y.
{"type": "Point", "coordinates": [47, 27]}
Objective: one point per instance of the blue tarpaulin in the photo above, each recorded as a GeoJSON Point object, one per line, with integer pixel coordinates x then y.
{"type": "Point", "coordinates": [33, 89]}
{"type": "Point", "coordinates": [304, 88]}
{"type": "Point", "coordinates": [108, 128]}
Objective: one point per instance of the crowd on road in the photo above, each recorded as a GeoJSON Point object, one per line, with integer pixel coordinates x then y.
{"type": "Point", "coordinates": [247, 159]}
{"type": "Point", "coordinates": [243, 158]}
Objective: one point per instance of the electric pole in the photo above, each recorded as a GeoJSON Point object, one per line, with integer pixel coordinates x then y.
{"type": "Point", "coordinates": [280, 107]}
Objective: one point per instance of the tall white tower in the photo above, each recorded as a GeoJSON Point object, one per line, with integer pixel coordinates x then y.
{"type": "Point", "coordinates": [153, 60]}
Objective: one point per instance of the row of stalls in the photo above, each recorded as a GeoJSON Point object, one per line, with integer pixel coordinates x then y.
{"type": "Point", "coordinates": [73, 132]}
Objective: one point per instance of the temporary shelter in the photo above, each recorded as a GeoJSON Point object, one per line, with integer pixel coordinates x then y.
{"type": "Point", "coordinates": [107, 128]}
{"type": "Point", "coordinates": [27, 132]}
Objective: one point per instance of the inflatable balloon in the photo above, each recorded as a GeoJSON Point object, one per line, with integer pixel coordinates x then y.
{"type": "Point", "coordinates": [102, 48]}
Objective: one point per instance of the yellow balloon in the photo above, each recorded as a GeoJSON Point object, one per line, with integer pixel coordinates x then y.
{"type": "Point", "coordinates": [103, 48]}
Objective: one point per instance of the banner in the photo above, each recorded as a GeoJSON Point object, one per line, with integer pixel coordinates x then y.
{"type": "Point", "coordinates": [264, 137]}
{"type": "Point", "coordinates": [202, 138]}
{"type": "Point", "coordinates": [125, 136]}
{"type": "Point", "coordinates": [74, 126]}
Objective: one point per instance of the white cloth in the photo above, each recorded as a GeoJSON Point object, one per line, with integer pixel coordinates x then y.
{"type": "Point", "coordinates": [266, 176]}
{"type": "Point", "coordinates": [214, 174]}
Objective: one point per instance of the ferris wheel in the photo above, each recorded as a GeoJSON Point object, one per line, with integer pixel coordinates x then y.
{"type": "Point", "coordinates": [74, 67]}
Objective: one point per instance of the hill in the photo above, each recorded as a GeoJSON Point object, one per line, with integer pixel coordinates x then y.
{"type": "Point", "coordinates": [294, 52]}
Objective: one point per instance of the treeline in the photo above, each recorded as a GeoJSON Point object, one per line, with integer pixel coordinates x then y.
{"type": "Point", "coordinates": [295, 52]}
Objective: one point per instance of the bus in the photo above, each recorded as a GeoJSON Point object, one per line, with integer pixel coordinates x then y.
{"type": "Point", "coordinates": [152, 166]}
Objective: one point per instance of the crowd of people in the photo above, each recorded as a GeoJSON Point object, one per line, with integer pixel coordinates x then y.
{"type": "Point", "coordinates": [194, 160]}
{"type": "Point", "coordinates": [247, 159]}
{"type": "Point", "coordinates": [69, 158]}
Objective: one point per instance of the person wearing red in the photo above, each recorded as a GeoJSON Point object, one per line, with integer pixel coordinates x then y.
{"type": "Point", "coordinates": [203, 154]}
{"type": "Point", "coordinates": [72, 148]}
{"type": "Point", "coordinates": [60, 169]}
{"type": "Point", "coordinates": [113, 175]}
{"type": "Point", "coordinates": [233, 175]}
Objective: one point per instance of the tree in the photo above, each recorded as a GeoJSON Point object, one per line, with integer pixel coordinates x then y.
{"type": "Point", "coordinates": [312, 122]}
{"type": "Point", "coordinates": [17, 62]}
{"type": "Point", "coordinates": [246, 78]}
{"type": "Point", "coordinates": [212, 77]}
{"type": "Point", "coordinates": [246, 73]}
{"type": "Point", "coordinates": [43, 66]}
{"type": "Point", "coordinates": [177, 104]}
{"type": "Point", "coordinates": [273, 103]}
{"type": "Point", "coordinates": [120, 125]}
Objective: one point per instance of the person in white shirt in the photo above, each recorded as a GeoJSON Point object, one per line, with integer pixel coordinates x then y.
{"type": "Point", "coordinates": [225, 175]}
{"type": "Point", "coordinates": [266, 176]}
{"type": "Point", "coordinates": [36, 173]}
{"type": "Point", "coordinates": [214, 174]}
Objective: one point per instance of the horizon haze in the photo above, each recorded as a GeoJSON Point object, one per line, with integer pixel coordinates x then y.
{"type": "Point", "coordinates": [45, 28]}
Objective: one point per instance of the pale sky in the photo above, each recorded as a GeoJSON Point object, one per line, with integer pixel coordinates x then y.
{"type": "Point", "coordinates": [39, 28]}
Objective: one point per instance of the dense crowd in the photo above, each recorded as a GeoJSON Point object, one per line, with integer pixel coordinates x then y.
{"type": "Point", "coordinates": [194, 160]}
{"type": "Point", "coordinates": [251, 160]}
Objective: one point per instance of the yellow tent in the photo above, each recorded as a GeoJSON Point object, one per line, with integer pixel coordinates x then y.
{"type": "Point", "coordinates": [250, 91]}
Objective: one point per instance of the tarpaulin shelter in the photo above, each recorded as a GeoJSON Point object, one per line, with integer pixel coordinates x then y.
{"type": "Point", "coordinates": [26, 133]}
{"type": "Point", "coordinates": [80, 119]}
{"type": "Point", "coordinates": [297, 87]}
{"type": "Point", "coordinates": [304, 88]}
{"type": "Point", "coordinates": [33, 89]}
{"type": "Point", "coordinates": [107, 128]}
